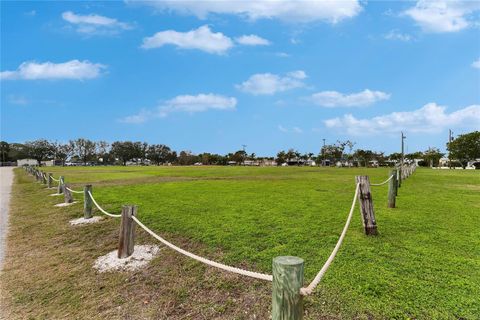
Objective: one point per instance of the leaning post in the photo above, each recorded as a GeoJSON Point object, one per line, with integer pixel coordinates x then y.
{"type": "Point", "coordinates": [49, 180]}
{"type": "Point", "coordinates": [61, 182]}
{"type": "Point", "coordinates": [126, 241]}
{"type": "Point", "coordinates": [366, 205]}
{"type": "Point", "coordinates": [287, 302]}
{"type": "Point", "coordinates": [87, 203]}
{"type": "Point", "coordinates": [67, 194]}
{"type": "Point", "coordinates": [391, 189]}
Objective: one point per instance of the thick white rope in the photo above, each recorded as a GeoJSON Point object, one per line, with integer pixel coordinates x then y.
{"type": "Point", "coordinates": [99, 208]}
{"type": "Point", "coordinates": [57, 180]}
{"type": "Point", "coordinates": [308, 290]}
{"type": "Point", "coordinates": [73, 190]}
{"type": "Point", "coordinates": [381, 184]}
{"type": "Point", "coordinates": [252, 274]}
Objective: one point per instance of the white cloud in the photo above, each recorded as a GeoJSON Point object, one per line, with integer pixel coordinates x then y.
{"type": "Point", "coordinates": [297, 130]}
{"type": "Point", "coordinates": [252, 40]}
{"type": "Point", "coordinates": [95, 24]}
{"type": "Point", "coordinates": [476, 63]}
{"type": "Point", "coordinates": [269, 84]}
{"type": "Point", "coordinates": [282, 54]}
{"type": "Point", "coordinates": [73, 69]}
{"type": "Point", "coordinates": [431, 118]}
{"type": "Point", "coordinates": [202, 39]}
{"type": "Point", "coordinates": [396, 35]}
{"type": "Point", "coordinates": [292, 130]}
{"type": "Point", "coordinates": [185, 103]}
{"type": "Point", "coordinates": [332, 99]}
{"type": "Point", "coordinates": [443, 15]}
{"type": "Point", "coordinates": [18, 100]}
{"type": "Point", "coordinates": [285, 10]}
{"type": "Point", "coordinates": [297, 74]}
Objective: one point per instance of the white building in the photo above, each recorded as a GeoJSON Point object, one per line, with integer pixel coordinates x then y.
{"type": "Point", "coordinates": [26, 162]}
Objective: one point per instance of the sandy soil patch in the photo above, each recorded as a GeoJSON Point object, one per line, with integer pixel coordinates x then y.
{"type": "Point", "coordinates": [82, 220]}
{"type": "Point", "coordinates": [142, 254]}
{"type": "Point", "coordinates": [65, 204]}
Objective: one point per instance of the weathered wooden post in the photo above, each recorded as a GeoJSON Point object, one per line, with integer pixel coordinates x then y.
{"type": "Point", "coordinates": [126, 241]}
{"type": "Point", "coordinates": [67, 194]}
{"type": "Point", "coordinates": [44, 178]}
{"type": "Point", "coordinates": [37, 175]}
{"type": "Point", "coordinates": [391, 189]}
{"type": "Point", "coordinates": [87, 202]}
{"type": "Point", "coordinates": [287, 302]}
{"type": "Point", "coordinates": [395, 178]}
{"type": "Point", "coordinates": [366, 205]}
{"type": "Point", "coordinates": [399, 177]}
{"type": "Point", "coordinates": [49, 180]}
{"type": "Point", "coordinates": [61, 182]}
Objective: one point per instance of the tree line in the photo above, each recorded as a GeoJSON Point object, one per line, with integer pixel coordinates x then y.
{"type": "Point", "coordinates": [464, 148]}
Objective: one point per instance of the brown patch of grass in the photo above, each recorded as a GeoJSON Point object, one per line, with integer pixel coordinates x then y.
{"type": "Point", "coordinates": [157, 179]}
{"type": "Point", "coordinates": [470, 187]}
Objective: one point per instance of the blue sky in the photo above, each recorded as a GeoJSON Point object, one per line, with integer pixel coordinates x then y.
{"type": "Point", "coordinates": [211, 76]}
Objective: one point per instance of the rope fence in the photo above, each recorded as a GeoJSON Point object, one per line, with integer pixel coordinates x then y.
{"type": "Point", "coordinates": [287, 276]}
{"type": "Point", "coordinates": [100, 208]}
{"type": "Point", "coordinates": [206, 261]}
{"type": "Point", "coordinates": [309, 289]}
{"type": "Point", "coordinates": [74, 191]}
{"type": "Point", "coordinates": [382, 183]}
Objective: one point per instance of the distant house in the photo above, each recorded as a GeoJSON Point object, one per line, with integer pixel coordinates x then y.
{"type": "Point", "coordinates": [250, 163]}
{"type": "Point", "coordinates": [344, 163]}
{"type": "Point", "coordinates": [51, 163]}
{"type": "Point", "coordinates": [268, 162]}
{"type": "Point", "coordinates": [27, 162]}
{"type": "Point", "coordinates": [373, 163]}
{"type": "Point", "coordinates": [301, 162]}
{"type": "Point", "coordinates": [443, 162]}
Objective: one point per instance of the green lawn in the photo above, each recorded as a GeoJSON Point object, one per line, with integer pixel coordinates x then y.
{"type": "Point", "coordinates": [424, 264]}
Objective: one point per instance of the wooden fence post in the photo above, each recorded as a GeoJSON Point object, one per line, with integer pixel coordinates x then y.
{"type": "Point", "coordinates": [391, 188]}
{"type": "Point", "coordinates": [126, 241]}
{"type": "Point", "coordinates": [49, 181]}
{"type": "Point", "coordinates": [399, 177]}
{"type": "Point", "coordinates": [87, 202]}
{"type": "Point", "coordinates": [61, 182]}
{"type": "Point", "coordinates": [366, 205]}
{"type": "Point", "coordinates": [396, 181]}
{"type": "Point", "coordinates": [287, 302]}
{"type": "Point", "coordinates": [44, 178]}
{"type": "Point", "coordinates": [67, 194]}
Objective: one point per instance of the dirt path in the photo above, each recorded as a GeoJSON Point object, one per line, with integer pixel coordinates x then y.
{"type": "Point", "coordinates": [6, 179]}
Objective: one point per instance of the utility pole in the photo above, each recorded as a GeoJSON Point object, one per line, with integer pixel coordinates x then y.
{"type": "Point", "coordinates": [450, 139]}
{"type": "Point", "coordinates": [403, 151]}
{"type": "Point", "coordinates": [244, 153]}
{"type": "Point", "coordinates": [323, 152]}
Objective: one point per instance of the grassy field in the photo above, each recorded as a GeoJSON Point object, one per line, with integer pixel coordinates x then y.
{"type": "Point", "coordinates": [425, 263]}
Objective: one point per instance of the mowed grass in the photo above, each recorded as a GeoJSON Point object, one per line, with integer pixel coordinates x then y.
{"type": "Point", "coordinates": [424, 264]}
